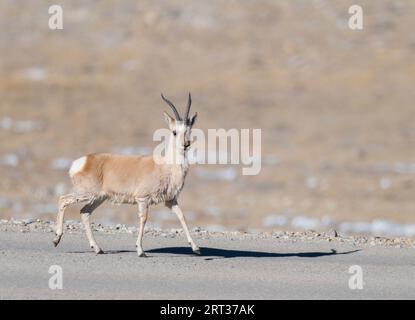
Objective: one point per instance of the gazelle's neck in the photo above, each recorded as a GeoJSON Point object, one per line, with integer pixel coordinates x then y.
{"type": "Point", "coordinates": [177, 165]}
{"type": "Point", "coordinates": [176, 157]}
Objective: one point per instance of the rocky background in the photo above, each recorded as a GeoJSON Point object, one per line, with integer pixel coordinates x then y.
{"type": "Point", "coordinates": [335, 106]}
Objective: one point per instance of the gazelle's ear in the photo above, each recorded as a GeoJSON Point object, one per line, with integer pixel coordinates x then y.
{"type": "Point", "coordinates": [193, 119]}
{"type": "Point", "coordinates": [169, 120]}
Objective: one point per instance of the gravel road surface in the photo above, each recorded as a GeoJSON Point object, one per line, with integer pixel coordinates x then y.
{"type": "Point", "coordinates": [232, 265]}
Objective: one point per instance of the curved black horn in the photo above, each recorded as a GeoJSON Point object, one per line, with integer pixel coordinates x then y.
{"type": "Point", "coordinates": [189, 103]}
{"type": "Point", "coordinates": [172, 107]}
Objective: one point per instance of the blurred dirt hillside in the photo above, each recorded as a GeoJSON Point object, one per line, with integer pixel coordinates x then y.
{"type": "Point", "coordinates": [336, 106]}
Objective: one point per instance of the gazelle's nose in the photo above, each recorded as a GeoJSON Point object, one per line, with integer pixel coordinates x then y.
{"type": "Point", "coordinates": [187, 144]}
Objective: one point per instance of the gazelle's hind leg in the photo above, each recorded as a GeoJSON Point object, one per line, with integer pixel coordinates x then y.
{"type": "Point", "coordinates": [65, 201]}
{"type": "Point", "coordinates": [86, 212]}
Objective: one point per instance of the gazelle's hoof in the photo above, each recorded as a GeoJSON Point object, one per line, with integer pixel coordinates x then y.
{"type": "Point", "coordinates": [141, 254]}
{"type": "Point", "coordinates": [98, 250]}
{"type": "Point", "coordinates": [56, 240]}
{"type": "Point", "coordinates": [197, 251]}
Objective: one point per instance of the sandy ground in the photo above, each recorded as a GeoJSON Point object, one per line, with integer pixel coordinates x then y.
{"type": "Point", "coordinates": [231, 266]}
{"type": "Point", "coordinates": [335, 106]}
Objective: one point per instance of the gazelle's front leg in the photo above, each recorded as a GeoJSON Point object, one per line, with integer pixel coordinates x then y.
{"type": "Point", "coordinates": [174, 206]}
{"type": "Point", "coordinates": [142, 214]}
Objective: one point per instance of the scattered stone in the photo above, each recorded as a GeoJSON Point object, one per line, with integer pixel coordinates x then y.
{"type": "Point", "coordinates": [38, 225]}
{"type": "Point", "coordinates": [10, 160]}
{"type": "Point", "coordinates": [274, 221]}
{"type": "Point", "coordinates": [29, 221]}
{"type": "Point", "coordinates": [132, 230]}
{"type": "Point", "coordinates": [277, 234]}
{"type": "Point", "coordinates": [61, 163]}
{"type": "Point", "coordinates": [333, 233]}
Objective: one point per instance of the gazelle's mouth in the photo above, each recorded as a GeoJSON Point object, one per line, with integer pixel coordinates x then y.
{"type": "Point", "coordinates": [187, 146]}
{"type": "Point", "coordinates": [182, 148]}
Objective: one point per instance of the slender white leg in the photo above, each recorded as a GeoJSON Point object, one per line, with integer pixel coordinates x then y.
{"type": "Point", "coordinates": [86, 212]}
{"type": "Point", "coordinates": [174, 206]}
{"type": "Point", "coordinates": [142, 214]}
{"type": "Point", "coordinates": [64, 202]}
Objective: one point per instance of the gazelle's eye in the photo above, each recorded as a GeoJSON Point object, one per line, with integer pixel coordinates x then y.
{"type": "Point", "coordinates": [174, 132]}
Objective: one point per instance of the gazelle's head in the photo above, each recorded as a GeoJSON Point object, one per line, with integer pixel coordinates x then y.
{"type": "Point", "coordinates": [180, 128]}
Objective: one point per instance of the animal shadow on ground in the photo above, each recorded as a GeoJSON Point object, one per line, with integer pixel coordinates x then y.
{"type": "Point", "coordinates": [216, 253]}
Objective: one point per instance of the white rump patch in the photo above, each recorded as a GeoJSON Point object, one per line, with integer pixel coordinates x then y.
{"type": "Point", "coordinates": [77, 166]}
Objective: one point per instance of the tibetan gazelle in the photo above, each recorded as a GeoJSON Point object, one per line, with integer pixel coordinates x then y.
{"type": "Point", "coordinates": [132, 179]}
